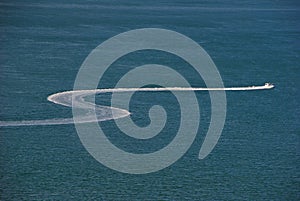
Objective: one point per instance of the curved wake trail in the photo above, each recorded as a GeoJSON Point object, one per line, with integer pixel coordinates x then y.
{"type": "Point", "coordinates": [104, 113]}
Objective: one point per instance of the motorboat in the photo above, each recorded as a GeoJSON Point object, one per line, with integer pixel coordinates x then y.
{"type": "Point", "coordinates": [269, 85]}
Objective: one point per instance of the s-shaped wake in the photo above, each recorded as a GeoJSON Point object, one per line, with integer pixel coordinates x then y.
{"type": "Point", "coordinates": [104, 113]}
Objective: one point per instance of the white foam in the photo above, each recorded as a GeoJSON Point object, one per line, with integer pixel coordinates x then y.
{"type": "Point", "coordinates": [104, 113]}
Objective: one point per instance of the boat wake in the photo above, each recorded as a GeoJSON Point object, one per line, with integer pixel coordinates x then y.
{"type": "Point", "coordinates": [104, 113]}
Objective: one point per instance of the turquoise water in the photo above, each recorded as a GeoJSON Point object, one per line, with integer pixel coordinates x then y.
{"type": "Point", "coordinates": [257, 157]}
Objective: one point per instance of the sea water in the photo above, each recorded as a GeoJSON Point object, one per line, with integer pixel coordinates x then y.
{"type": "Point", "coordinates": [43, 45]}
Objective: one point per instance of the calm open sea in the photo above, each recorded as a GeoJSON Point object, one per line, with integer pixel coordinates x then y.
{"type": "Point", "coordinates": [43, 44]}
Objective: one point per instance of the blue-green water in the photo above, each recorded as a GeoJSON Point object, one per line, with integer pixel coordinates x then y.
{"type": "Point", "coordinates": [257, 157]}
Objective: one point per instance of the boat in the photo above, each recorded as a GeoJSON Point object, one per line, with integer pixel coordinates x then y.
{"type": "Point", "coordinates": [269, 85]}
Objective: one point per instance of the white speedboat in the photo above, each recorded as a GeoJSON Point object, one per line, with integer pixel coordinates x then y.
{"type": "Point", "coordinates": [269, 85]}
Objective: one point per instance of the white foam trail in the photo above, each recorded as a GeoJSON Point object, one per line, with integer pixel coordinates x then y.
{"type": "Point", "coordinates": [104, 113]}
